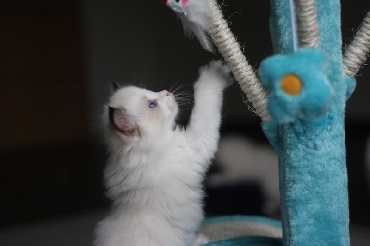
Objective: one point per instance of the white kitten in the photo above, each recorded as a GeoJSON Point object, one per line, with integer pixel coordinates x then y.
{"type": "Point", "coordinates": [155, 169]}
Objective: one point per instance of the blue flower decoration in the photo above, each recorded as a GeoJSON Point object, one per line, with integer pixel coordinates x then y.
{"type": "Point", "coordinates": [298, 85]}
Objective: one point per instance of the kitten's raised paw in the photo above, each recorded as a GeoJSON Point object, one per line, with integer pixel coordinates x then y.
{"type": "Point", "coordinates": [219, 65]}
{"type": "Point", "coordinates": [216, 72]}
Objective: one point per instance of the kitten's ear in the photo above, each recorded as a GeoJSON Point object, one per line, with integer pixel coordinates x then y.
{"type": "Point", "coordinates": [114, 86]}
{"type": "Point", "coordinates": [122, 122]}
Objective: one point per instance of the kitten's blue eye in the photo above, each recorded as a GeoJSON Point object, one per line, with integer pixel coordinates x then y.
{"type": "Point", "coordinates": [152, 104]}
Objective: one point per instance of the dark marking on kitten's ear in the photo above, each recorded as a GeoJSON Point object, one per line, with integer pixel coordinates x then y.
{"type": "Point", "coordinates": [122, 123]}
{"type": "Point", "coordinates": [114, 86]}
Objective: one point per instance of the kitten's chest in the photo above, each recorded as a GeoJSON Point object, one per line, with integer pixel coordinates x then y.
{"type": "Point", "coordinates": [174, 167]}
{"type": "Point", "coordinates": [178, 165]}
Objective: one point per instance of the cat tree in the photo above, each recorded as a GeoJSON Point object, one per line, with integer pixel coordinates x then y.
{"type": "Point", "coordinates": [300, 95]}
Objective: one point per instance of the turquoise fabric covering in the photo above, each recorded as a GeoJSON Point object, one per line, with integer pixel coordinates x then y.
{"type": "Point", "coordinates": [248, 241]}
{"type": "Point", "coordinates": [241, 218]}
{"type": "Point", "coordinates": [313, 176]}
{"type": "Point", "coordinates": [310, 66]}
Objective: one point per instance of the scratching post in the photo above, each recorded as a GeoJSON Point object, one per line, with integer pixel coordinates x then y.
{"type": "Point", "coordinates": [234, 58]}
{"type": "Point", "coordinates": [356, 53]}
{"type": "Point", "coordinates": [300, 95]}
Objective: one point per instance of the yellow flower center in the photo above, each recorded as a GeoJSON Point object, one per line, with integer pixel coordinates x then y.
{"type": "Point", "coordinates": [291, 85]}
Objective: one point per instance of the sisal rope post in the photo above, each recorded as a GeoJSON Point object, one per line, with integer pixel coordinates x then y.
{"type": "Point", "coordinates": [307, 25]}
{"type": "Point", "coordinates": [357, 51]}
{"type": "Point", "coordinates": [234, 58]}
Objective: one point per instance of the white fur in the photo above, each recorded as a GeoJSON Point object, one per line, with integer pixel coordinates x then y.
{"type": "Point", "coordinates": [193, 15]}
{"type": "Point", "coordinates": [154, 177]}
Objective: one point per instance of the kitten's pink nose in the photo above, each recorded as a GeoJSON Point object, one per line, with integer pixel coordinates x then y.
{"type": "Point", "coordinates": [165, 93]}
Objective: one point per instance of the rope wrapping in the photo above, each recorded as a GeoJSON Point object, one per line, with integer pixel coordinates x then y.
{"type": "Point", "coordinates": [308, 34]}
{"type": "Point", "coordinates": [307, 25]}
{"type": "Point", "coordinates": [234, 58]}
{"type": "Point", "coordinates": [357, 51]}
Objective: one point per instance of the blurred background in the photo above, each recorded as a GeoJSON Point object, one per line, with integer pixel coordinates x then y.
{"type": "Point", "coordinates": [58, 58]}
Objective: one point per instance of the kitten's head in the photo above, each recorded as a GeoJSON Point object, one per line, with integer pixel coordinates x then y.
{"type": "Point", "coordinates": [135, 113]}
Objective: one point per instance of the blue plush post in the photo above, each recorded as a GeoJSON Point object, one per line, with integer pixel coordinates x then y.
{"type": "Point", "coordinates": [307, 130]}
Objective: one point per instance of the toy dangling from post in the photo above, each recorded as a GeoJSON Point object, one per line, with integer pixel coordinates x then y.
{"type": "Point", "coordinates": [309, 81]}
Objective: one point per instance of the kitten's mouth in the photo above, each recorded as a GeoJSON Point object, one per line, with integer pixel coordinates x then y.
{"type": "Point", "coordinates": [170, 100]}
{"type": "Point", "coordinates": [171, 103]}
{"type": "Point", "coordinates": [174, 102]}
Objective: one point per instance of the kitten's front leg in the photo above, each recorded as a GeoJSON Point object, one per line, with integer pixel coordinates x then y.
{"type": "Point", "coordinates": [205, 121]}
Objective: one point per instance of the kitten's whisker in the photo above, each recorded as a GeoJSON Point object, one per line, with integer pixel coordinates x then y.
{"type": "Point", "coordinates": [173, 90]}
{"type": "Point", "coordinates": [135, 80]}
{"type": "Point", "coordinates": [184, 96]}
{"type": "Point", "coordinates": [182, 86]}
{"type": "Point", "coordinates": [181, 101]}
{"type": "Point", "coordinates": [143, 79]}
{"type": "Point", "coordinates": [176, 86]}
{"type": "Point", "coordinates": [174, 83]}
{"type": "Point", "coordinates": [185, 102]}
{"type": "Point", "coordinates": [183, 93]}
{"type": "Point", "coordinates": [140, 80]}
{"type": "Point", "coordinates": [172, 86]}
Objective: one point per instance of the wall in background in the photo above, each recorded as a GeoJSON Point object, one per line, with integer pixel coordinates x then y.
{"type": "Point", "coordinates": [58, 58]}
{"type": "Point", "coordinates": [137, 42]}
{"type": "Point", "coordinates": [48, 165]}
{"type": "Point", "coordinates": [42, 84]}
{"type": "Point", "coordinates": [144, 43]}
